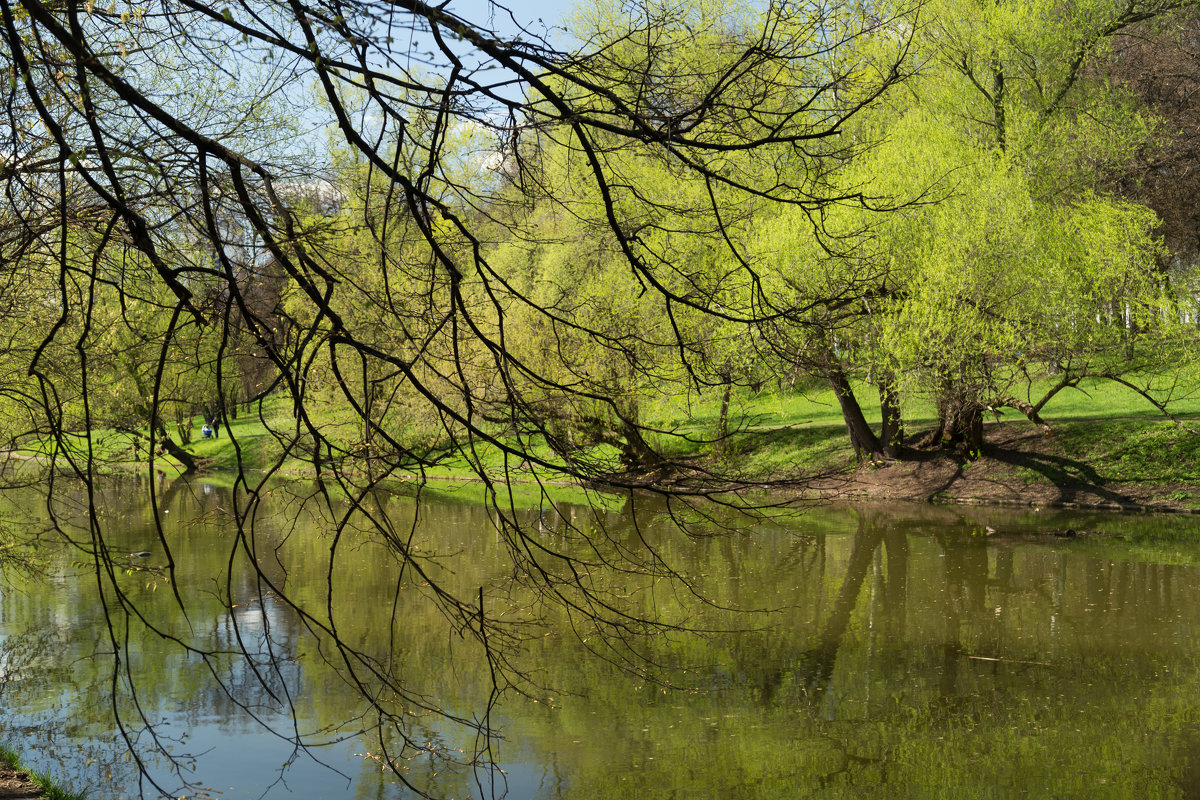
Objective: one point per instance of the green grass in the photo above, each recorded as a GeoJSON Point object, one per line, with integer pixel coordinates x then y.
{"type": "Point", "coordinates": [1100, 399]}
{"type": "Point", "coordinates": [1147, 451]}
{"type": "Point", "coordinates": [771, 434]}
{"type": "Point", "coordinates": [49, 788]}
{"type": "Point", "coordinates": [115, 451]}
{"type": "Point", "coordinates": [1106, 425]}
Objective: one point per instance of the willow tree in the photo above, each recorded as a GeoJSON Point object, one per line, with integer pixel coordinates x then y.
{"type": "Point", "coordinates": [1002, 259]}
{"type": "Point", "coordinates": [1019, 82]}
{"type": "Point", "coordinates": [399, 312]}
{"type": "Point", "coordinates": [648, 270]}
{"type": "Point", "coordinates": [1002, 289]}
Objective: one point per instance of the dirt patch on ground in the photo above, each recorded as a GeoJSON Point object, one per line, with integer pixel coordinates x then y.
{"type": "Point", "coordinates": [1019, 466]}
{"type": "Point", "coordinates": [15, 784]}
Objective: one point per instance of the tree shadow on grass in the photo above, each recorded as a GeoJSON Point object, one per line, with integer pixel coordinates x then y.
{"type": "Point", "coordinates": [1075, 480]}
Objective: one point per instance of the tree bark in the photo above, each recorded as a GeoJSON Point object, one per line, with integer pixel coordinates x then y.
{"type": "Point", "coordinates": [891, 436]}
{"type": "Point", "coordinates": [1065, 382]}
{"type": "Point", "coordinates": [1028, 409]}
{"type": "Point", "coordinates": [866, 443]}
{"type": "Point", "coordinates": [723, 419]}
{"type": "Point", "coordinates": [168, 445]}
{"type": "Point", "coordinates": [998, 110]}
{"type": "Point", "coordinates": [960, 421]}
{"type": "Point", "coordinates": [178, 453]}
{"type": "Point", "coordinates": [636, 454]}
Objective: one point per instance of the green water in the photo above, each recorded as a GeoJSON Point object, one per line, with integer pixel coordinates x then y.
{"type": "Point", "coordinates": [859, 651]}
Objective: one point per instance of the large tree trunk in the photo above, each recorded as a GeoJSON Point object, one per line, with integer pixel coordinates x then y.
{"type": "Point", "coordinates": [636, 454]}
{"type": "Point", "coordinates": [960, 421]}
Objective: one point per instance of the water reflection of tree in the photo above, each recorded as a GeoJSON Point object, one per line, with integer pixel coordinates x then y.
{"type": "Point", "coordinates": [817, 663]}
{"type": "Point", "coordinates": [810, 655]}
{"type": "Point", "coordinates": [913, 652]}
{"type": "Point", "coordinates": [397, 311]}
{"type": "Point", "coordinates": [881, 627]}
{"type": "Point", "coordinates": [249, 651]}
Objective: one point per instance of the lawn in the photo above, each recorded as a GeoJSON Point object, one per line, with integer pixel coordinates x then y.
{"type": "Point", "coordinates": [771, 434]}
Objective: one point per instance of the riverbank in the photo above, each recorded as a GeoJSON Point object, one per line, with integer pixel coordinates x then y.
{"type": "Point", "coordinates": [1073, 468]}
{"type": "Point", "coordinates": [18, 783]}
{"type": "Point", "coordinates": [1106, 449]}
{"type": "Point", "coordinates": [15, 784]}
{"type": "Point", "coordinates": [1121, 465]}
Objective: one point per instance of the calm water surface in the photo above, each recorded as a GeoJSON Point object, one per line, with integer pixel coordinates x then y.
{"type": "Point", "coordinates": [884, 651]}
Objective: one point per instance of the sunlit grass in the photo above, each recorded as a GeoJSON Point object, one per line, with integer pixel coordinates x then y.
{"type": "Point", "coordinates": [1149, 451]}
{"type": "Point", "coordinates": [778, 432]}
{"type": "Point", "coordinates": [1104, 398]}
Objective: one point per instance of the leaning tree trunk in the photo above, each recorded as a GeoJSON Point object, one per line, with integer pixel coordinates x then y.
{"type": "Point", "coordinates": [166, 443]}
{"type": "Point", "coordinates": [175, 451]}
{"type": "Point", "coordinates": [1028, 409]}
{"type": "Point", "coordinates": [866, 443]}
{"type": "Point", "coordinates": [816, 664]}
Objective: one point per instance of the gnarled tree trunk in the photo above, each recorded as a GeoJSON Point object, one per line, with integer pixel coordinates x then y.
{"type": "Point", "coordinates": [960, 421]}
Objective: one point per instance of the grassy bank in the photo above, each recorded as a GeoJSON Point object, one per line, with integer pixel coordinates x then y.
{"type": "Point", "coordinates": [1102, 429]}
{"type": "Point", "coordinates": [33, 784]}
{"type": "Point", "coordinates": [1102, 433]}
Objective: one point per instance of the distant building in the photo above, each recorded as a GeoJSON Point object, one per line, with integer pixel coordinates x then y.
{"type": "Point", "coordinates": [322, 196]}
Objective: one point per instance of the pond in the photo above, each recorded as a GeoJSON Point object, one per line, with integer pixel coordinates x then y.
{"type": "Point", "coordinates": [853, 651]}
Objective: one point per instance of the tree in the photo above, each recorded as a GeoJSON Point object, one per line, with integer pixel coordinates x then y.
{"type": "Point", "coordinates": [1016, 79]}
{"type": "Point", "coordinates": [1159, 65]}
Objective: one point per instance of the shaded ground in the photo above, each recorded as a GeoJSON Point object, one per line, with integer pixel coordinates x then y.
{"type": "Point", "coordinates": [1020, 465]}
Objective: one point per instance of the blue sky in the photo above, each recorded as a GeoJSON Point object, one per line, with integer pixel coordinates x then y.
{"type": "Point", "coordinates": [540, 17]}
{"type": "Point", "coordinates": [527, 12]}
